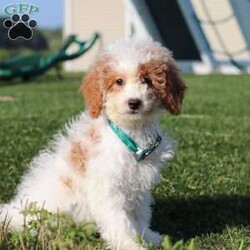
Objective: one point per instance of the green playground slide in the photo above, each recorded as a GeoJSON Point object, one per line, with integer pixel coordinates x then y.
{"type": "Point", "coordinates": [28, 66]}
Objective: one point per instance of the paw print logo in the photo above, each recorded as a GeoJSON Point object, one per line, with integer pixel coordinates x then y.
{"type": "Point", "coordinates": [20, 26]}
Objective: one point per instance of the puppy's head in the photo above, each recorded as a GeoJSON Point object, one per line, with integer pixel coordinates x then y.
{"type": "Point", "coordinates": [132, 80]}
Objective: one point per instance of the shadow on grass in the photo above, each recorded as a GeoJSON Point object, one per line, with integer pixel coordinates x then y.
{"type": "Point", "coordinates": [190, 217]}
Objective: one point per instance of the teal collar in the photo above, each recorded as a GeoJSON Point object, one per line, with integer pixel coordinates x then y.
{"type": "Point", "coordinates": [140, 154]}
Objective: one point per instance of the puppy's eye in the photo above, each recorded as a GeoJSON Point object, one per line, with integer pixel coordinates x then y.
{"type": "Point", "coordinates": [146, 80]}
{"type": "Point", "coordinates": [120, 82]}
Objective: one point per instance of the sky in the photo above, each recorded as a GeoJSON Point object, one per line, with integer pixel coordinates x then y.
{"type": "Point", "coordinates": [50, 14]}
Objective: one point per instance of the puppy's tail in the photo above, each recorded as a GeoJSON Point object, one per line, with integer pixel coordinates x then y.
{"type": "Point", "coordinates": [11, 217]}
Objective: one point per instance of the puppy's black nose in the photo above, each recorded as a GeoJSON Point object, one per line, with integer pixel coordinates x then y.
{"type": "Point", "coordinates": [134, 104]}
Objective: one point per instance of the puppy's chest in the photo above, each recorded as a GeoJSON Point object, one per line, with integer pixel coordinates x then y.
{"type": "Point", "coordinates": [129, 173]}
{"type": "Point", "coordinates": [138, 178]}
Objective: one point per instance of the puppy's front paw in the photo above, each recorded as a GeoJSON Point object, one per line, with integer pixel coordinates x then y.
{"type": "Point", "coordinates": [167, 156]}
{"type": "Point", "coordinates": [153, 237]}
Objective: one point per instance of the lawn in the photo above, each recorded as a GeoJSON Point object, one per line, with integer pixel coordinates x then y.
{"type": "Point", "coordinates": [204, 195]}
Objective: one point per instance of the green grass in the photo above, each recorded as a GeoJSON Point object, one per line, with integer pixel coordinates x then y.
{"type": "Point", "coordinates": [204, 195]}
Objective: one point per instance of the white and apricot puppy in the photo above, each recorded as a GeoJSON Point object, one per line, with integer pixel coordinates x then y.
{"type": "Point", "coordinates": [102, 168]}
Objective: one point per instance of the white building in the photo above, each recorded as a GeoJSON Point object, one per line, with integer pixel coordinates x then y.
{"type": "Point", "coordinates": [206, 36]}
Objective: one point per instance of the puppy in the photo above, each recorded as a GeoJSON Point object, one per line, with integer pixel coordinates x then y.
{"type": "Point", "coordinates": [102, 167]}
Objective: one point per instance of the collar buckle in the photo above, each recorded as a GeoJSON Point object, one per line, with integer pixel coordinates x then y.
{"type": "Point", "coordinates": [140, 154]}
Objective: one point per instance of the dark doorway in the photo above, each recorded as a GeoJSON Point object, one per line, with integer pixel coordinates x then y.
{"type": "Point", "coordinates": [173, 29]}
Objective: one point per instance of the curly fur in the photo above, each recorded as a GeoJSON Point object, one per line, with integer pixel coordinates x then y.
{"type": "Point", "coordinates": [87, 171]}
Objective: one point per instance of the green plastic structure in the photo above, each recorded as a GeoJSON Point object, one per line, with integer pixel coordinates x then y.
{"type": "Point", "coordinates": [29, 66]}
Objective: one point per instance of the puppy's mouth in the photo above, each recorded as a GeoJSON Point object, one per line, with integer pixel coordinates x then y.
{"type": "Point", "coordinates": [140, 112]}
{"type": "Point", "coordinates": [133, 112]}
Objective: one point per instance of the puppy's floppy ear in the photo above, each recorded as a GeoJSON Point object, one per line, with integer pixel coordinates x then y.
{"type": "Point", "coordinates": [92, 93]}
{"type": "Point", "coordinates": [93, 85]}
{"type": "Point", "coordinates": [173, 93]}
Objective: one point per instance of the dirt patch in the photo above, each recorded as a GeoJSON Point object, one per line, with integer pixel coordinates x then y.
{"type": "Point", "coordinates": [7, 98]}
